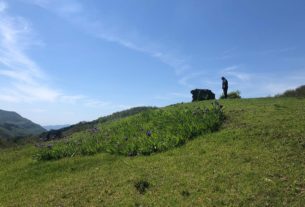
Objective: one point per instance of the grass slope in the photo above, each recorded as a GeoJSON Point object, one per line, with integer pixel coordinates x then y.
{"type": "Point", "coordinates": [257, 158]}
{"type": "Point", "coordinates": [296, 93]}
{"type": "Point", "coordinates": [147, 132]}
{"type": "Point", "coordinates": [83, 126]}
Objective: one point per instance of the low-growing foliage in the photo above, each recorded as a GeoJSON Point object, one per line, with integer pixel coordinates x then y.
{"type": "Point", "coordinates": [232, 95]}
{"type": "Point", "coordinates": [82, 126]}
{"type": "Point", "coordinates": [185, 193]}
{"type": "Point", "coordinates": [298, 92]}
{"type": "Point", "coordinates": [142, 186]}
{"type": "Point", "coordinates": [154, 130]}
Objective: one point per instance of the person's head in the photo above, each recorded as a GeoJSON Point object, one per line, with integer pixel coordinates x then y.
{"type": "Point", "coordinates": [222, 78]}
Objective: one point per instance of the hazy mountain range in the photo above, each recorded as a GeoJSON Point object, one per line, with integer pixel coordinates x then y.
{"type": "Point", "coordinates": [55, 127]}
{"type": "Point", "coordinates": [13, 125]}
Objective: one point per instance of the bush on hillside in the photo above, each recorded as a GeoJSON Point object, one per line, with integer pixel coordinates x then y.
{"type": "Point", "coordinates": [298, 92]}
{"type": "Point", "coordinates": [150, 131]}
{"type": "Point", "coordinates": [81, 126]}
{"type": "Point", "coordinates": [202, 94]}
{"type": "Point", "coordinates": [232, 95]}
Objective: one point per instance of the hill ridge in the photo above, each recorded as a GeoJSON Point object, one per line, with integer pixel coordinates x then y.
{"type": "Point", "coordinates": [13, 125]}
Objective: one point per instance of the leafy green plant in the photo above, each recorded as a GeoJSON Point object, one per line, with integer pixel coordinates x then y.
{"type": "Point", "coordinates": [232, 95]}
{"type": "Point", "coordinates": [82, 126]}
{"type": "Point", "coordinates": [148, 132]}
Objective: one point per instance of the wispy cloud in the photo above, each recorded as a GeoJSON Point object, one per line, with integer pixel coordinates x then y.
{"type": "Point", "coordinates": [15, 65]}
{"type": "Point", "coordinates": [3, 6]}
{"type": "Point", "coordinates": [227, 54]}
{"type": "Point", "coordinates": [76, 13]}
{"type": "Point", "coordinates": [234, 72]}
{"type": "Point", "coordinates": [278, 51]}
{"type": "Point", "coordinates": [73, 11]}
{"type": "Point", "coordinates": [262, 83]}
{"type": "Point", "coordinates": [187, 78]}
{"type": "Point", "coordinates": [27, 82]}
{"type": "Point", "coordinates": [173, 96]}
{"type": "Point", "coordinates": [96, 103]}
{"type": "Point", "coordinates": [278, 83]}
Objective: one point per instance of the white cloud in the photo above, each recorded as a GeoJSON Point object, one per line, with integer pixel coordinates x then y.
{"type": "Point", "coordinates": [8, 98]}
{"type": "Point", "coordinates": [3, 6]}
{"type": "Point", "coordinates": [71, 8]}
{"type": "Point", "coordinates": [37, 110]}
{"type": "Point", "coordinates": [71, 99]}
{"type": "Point", "coordinates": [27, 82]}
{"type": "Point", "coordinates": [279, 83]}
{"type": "Point", "coordinates": [37, 92]}
{"type": "Point", "coordinates": [174, 96]}
{"type": "Point", "coordinates": [275, 88]}
{"type": "Point", "coordinates": [187, 78]}
{"type": "Point", "coordinates": [17, 75]}
{"type": "Point", "coordinates": [137, 43]}
{"type": "Point", "coordinates": [278, 51]}
{"type": "Point", "coordinates": [233, 71]}
{"type": "Point", "coordinates": [25, 76]}
{"type": "Point", "coordinates": [96, 103]}
{"type": "Point", "coordinates": [73, 11]}
{"type": "Point", "coordinates": [239, 78]}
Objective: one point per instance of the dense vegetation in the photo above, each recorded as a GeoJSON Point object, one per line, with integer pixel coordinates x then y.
{"type": "Point", "coordinates": [82, 126]}
{"type": "Point", "coordinates": [14, 127]}
{"type": "Point", "coordinates": [231, 95]}
{"type": "Point", "coordinates": [256, 158]}
{"type": "Point", "coordinates": [150, 131]}
{"type": "Point", "coordinates": [298, 92]}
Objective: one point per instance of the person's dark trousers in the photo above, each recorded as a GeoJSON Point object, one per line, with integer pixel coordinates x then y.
{"type": "Point", "coordinates": [225, 92]}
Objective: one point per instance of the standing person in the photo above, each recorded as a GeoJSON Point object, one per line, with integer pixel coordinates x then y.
{"type": "Point", "coordinates": [225, 86]}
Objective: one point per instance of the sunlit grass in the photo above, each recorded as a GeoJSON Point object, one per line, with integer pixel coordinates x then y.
{"type": "Point", "coordinates": [151, 131]}
{"type": "Point", "coordinates": [256, 158]}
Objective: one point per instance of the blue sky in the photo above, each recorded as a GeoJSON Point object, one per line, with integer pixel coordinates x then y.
{"type": "Point", "coordinates": [64, 61]}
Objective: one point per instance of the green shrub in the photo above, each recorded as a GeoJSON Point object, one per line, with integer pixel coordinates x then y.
{"type": "Point", "coordinates": [298, 92]}
{"type": "Point", "coordinates": [232, 95]}
{"type": "Point", "coordinates": [150, 131]}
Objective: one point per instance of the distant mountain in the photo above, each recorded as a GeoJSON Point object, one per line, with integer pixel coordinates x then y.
{"type": "Point", "coordinates": [55, 127]}
{"type": "Point", "coordinates": [12, 125]}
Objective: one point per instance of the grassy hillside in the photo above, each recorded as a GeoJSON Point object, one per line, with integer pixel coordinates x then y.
{"type": "Point", "coordinates": [83, 126]}
{"type": "Point", "coordinates": [12, 125]}
{"type": "Point", "coordinates": [150, 131]}
{"type": "Point", "coordinates": [298, 93]}
{"type": "Point", "coordinates": [256, 158]}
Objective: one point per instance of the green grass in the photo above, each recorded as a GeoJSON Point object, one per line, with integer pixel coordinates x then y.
{"type": "Point", "coordinates": [81, 126]}
{"type": "Point", "coordinates": [257, 158]}
{"type": "Point", "coordinates": [148, 132]}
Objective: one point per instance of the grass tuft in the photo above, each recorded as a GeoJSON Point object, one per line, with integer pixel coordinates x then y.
{"type": "Point", "coordinates": [141, 186]}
